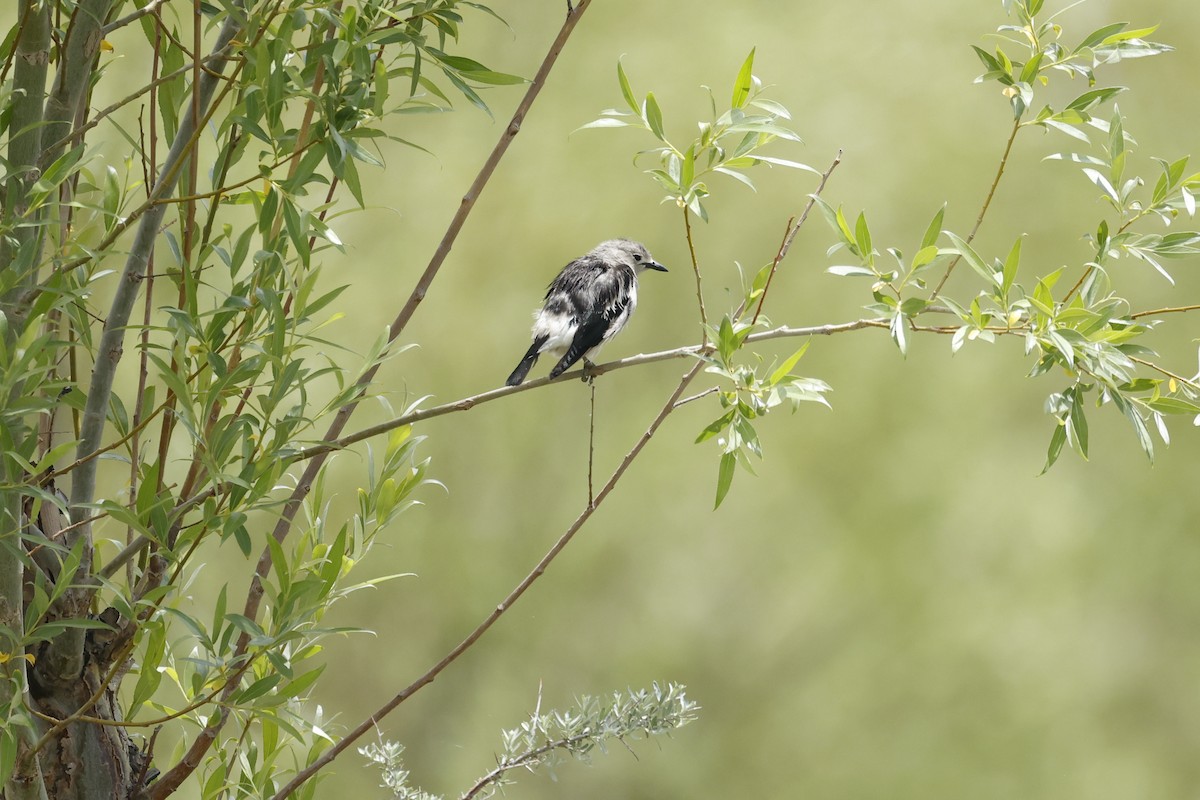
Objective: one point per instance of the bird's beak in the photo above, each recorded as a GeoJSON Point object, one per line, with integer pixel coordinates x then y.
{"type": "Point", "coordinates": [655, 265]}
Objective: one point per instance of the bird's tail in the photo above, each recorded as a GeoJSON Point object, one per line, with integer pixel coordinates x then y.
{"type": "Point", "coordinates": [531, 357]}
{"type": "Point", "coordinates": [568, 360]}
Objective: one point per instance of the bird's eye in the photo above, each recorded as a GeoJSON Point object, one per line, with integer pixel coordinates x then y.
{"type": "Point", "coordinates": [637, 257]}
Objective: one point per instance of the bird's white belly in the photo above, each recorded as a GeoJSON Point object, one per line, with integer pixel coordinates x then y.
{"type": "Point", "coordinates": [559, 330]}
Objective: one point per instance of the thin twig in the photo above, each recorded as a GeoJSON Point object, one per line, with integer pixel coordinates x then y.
{"type": "Point", "coordinates": [982, 211]}
{"type": "Point", "coordinates": [1167, 372]}
{"type": "Point", "coordinates": [525, 759]}
{"type": "Point", "coordinates": [1170, 310]}
{"type": "Point", "coordinates": [591, 442]}
{"type": "Point", "coordinates": [467, 403]}
{"type": "Point", "coordinates": [504, 605]}
{"type": "Point", "coordinates": [698, 396]}
{"type": "Point", "coordinates": [134, 16]}
{"type": "Point", "coordinates": [687, 226]}
{"type": "Point", "coordinates": [790, 234]}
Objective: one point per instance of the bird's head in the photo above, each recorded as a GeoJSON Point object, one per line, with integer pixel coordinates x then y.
{"type": "Point", "coordinates": [628, 252]}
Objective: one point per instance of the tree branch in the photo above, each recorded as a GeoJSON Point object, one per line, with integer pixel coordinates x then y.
{"type": "Point", "coordinates": [1170, 310]}
{"type": "Point", "coordinates": [467, 403]}
{"type": "Point", "coordinates": [134, 16]}
{"type": "Point", "coordinates": [32, 55]}
{"type": "Point", "coordinates": [687, 226]}
{"type": "Point", "coordinates": [987, 202]}
{"type": "Point", "coordinates": [790, 234]}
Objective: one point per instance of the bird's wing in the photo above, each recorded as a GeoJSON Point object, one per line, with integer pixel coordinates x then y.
{"type": "Point", "coordinates": [601, 299]}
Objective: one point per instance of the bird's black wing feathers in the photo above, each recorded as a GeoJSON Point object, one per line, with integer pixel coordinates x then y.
{"type": "Point", "coordinates": [598, 295]}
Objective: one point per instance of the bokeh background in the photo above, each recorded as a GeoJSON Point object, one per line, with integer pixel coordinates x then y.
{"type": "Point", "coordinates": [898, 605]}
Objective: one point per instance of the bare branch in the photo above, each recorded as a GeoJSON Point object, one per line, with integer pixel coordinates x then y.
{"type": "Point", "coordinates": [987, 202]}
{"type": "Point", "coordinates": [790, 234]}
{"type": "Point", "coordinates": [467, 403]}
{"type": "Point", "coordinates": [134, 16]}
{"type": "Point", "coordinates": [687, 225]}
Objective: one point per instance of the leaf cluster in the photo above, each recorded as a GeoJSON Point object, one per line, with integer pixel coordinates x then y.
{"type": "Point", "coordinates": [1088, 334]}
{"type": "Point", "coordinates": [728, 143]}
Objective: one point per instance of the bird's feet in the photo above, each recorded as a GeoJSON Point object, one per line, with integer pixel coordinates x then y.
{"type": "Point", "coordinates": [588, 377]}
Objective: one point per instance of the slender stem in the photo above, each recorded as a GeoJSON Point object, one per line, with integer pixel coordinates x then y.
{"type": "Point", "coordinates": [591, 443]}
{"type": "Point", "coordinates": [687, 225]}
{"type": "Point", "coordinates": [527, 758]}
{"type": "Point", "coordinates": [1169, 310]}
{"type": "Point", "coordinates": [134, 16]}
{"type": "Point", "coordinates": [1168, 373]}
{"type": "Point", "coordinates": [790, 234]}
{"type": "Point", "coordinates": [370, 722]}
{"type": "Point", "coordinates": [698, 396]}
{"type": "Point", "coordinates": [987, 202]}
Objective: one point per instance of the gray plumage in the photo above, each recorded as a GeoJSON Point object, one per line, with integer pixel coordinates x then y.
{"type": "Point", "coordinates": [586, 305]}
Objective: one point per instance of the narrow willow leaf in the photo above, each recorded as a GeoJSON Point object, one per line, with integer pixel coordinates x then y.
{"type": "Point", "coordinates": [652, 114]}
{"type": "Point", "coordinates": [725, 476]}
{"type": "Point", "coordinates": [744, 83]}
{"type": "Point", "coordinates": [971, 257]}
{"type": "Point", "coordinates": [1057, 440]}
{"type": "Point", "coordinates": [934, 230]}
{"type": "Point", "coordinates": [1011, 265]}
{"type": "Point", "coordinates": [626, 89]}
{"type": "Point", "coordinates": [787, 366]}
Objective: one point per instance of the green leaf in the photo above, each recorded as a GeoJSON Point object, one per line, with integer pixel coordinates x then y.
{"type": "Point", "coordinates": [735, 175]}
{"type": "Point", "coordinates": [1173, 405]}
{"type": "Point", "coordinates": [783, 162]}
{"type": "Point", "coordinates": [605, 122]}
{"type": "Point", "coordinates": [1100, 34]}
{"type": "Point", "coordinates": [1010, 266]}
{"type": "Point", "coordinates": [725, 476]}
{"type": "Point", "coordinates": [1079, 422]}
{"type": "Point", "coordinates": [971, 257]}
{"type": "Point", "coordinates": [989, 61]}
{"type": "Point", "coordinates": [1030, 70]}
{"type": "Point", "coordinates": [898, 330]}
{"type": "Point", "coordinates": [836, 220]}
{"type": "Point", "coordinates": [1057, 440]}
{"type": "Point", "coordinates": [727, 343]}
{"type": "Point", "coordinates": [849, 269]}
{"type": "Point", "coordinates": [862, 236]}
{"type": "Point", "coordinates": [652, 114]}
{"type": "Point", "coordinates": [1095, 97]}
{"type": "Point", "coordinates": [934, 230]}
{"type": "Point", "coordinates": [626, 89]}
{"type": "Point", "coordinates": [716, 426]}
{"type": "Point", "coordinates": [742, 86]}
{"type": "Point", "coordinates": [787, 366]}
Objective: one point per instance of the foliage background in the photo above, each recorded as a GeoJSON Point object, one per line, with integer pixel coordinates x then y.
{"type": "Point", "coordinates": [898, 605]}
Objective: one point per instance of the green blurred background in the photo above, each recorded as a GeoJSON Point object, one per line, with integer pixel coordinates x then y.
{"type": "Point", "coordinates": [898, 606]}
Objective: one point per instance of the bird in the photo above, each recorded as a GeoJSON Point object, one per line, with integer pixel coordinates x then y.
{"type": "Point", "coordinates": [587, 304]}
